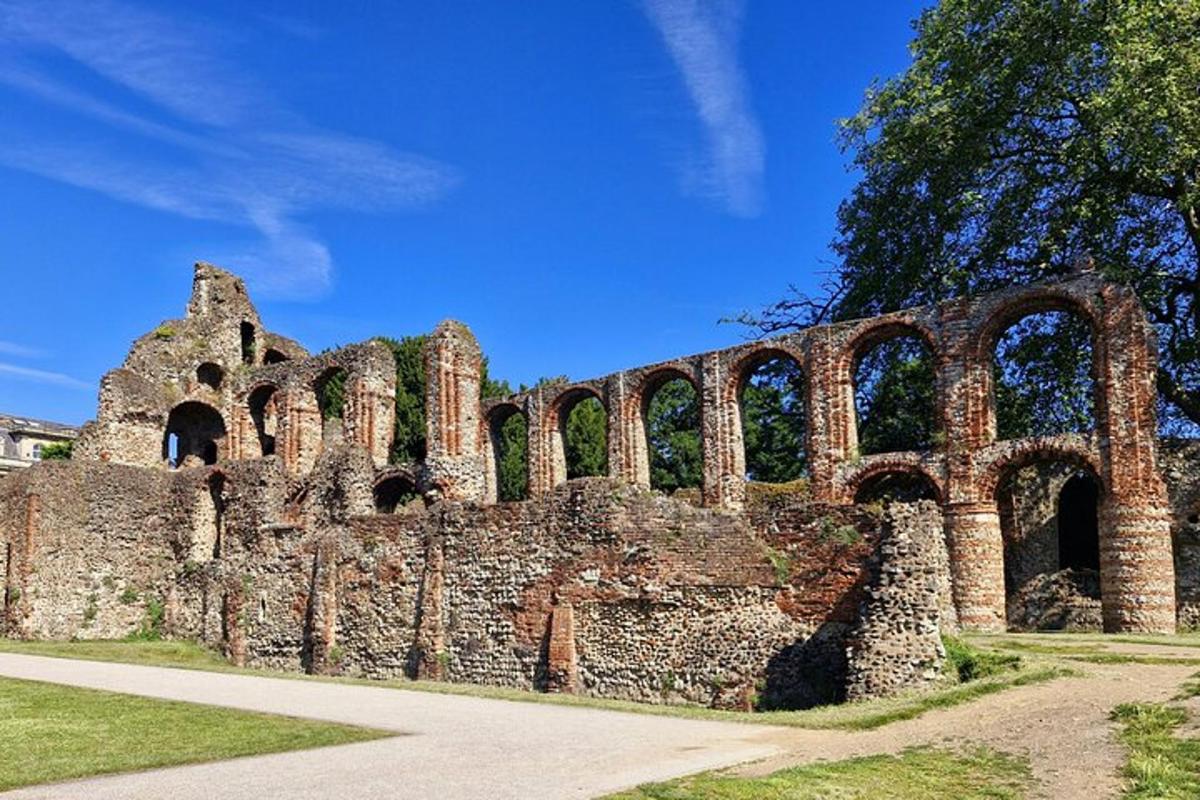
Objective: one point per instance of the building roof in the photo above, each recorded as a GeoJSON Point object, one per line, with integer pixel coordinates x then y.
{"type": "Point", "coordinates": [17, 424]}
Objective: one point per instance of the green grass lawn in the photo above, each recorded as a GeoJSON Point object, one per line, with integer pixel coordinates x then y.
{"type": "Point", "coordinates": [918, 774]}
{"type": "Point", "coordinates": [52, 733]}
{"type": "Point", "coordinates": [1161, 765]}
{"type": "Point", "coordinates": [848, 716]}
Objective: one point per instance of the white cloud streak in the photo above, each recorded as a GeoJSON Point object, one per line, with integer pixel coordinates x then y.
{"type": "Point", "coordinates": [43, 376]}
{"type": "Point", "coordinates": [702, 37]}
{"type": "Point", "coordinates": [233, 155]}
{"type": "Point", "coordinates": [19, 350]}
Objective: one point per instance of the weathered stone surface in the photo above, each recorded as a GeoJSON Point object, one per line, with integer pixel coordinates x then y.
{"type": "Point", "coordinates": [213, 498]}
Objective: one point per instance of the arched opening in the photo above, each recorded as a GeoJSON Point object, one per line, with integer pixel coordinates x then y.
{"type": "Point", "coordinates": [248, 343]}
{"type": "Point", "coordinates": [195, 432]}
{"type": "Point", "coordinates": [264, 412]}
{"type": "Point", "coordinates": [895, 395]}
{"type": "Point", "coordinates": [1043, 382]}
{"type": "Point", "coordinates": [393, 493]}
{"type": "Point", "coordinates": [210, 375]}
{"type": "Point", "coordinates": [774, 420]}
{"type": "Point", "coordinates": [899, 486]}
{"type": "Point", "coordinates": [273, 356]}
{"type": "Point", "coordinates": [1049, 522]}
{"type": "Point", "coordinates": [671, 410]}
{"type": "Point", "coordinates": [1079, 524]}
{"type": "Point", "coordinates": [509, 432]}
{"type": "Point", "coordinates": [583, 426]}
{"type": "Point", "coordinates": [330, 387]}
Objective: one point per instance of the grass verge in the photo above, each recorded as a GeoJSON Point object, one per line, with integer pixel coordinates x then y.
{"type": "Point", "coordinates": [1161, 765]}
{"type": "Point", "coordinates": [916, 774]}
{"type": "Point", "coordinates": [53, 733]}
{"type": "Point", "coordinates": [847, 716]}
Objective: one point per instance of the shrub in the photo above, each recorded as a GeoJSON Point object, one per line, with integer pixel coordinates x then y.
{"type": "Point", "coordinates": [968, 663]}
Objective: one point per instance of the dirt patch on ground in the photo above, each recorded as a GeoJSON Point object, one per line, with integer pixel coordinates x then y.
{"type": "Point", "coordinates": [1061, 726]}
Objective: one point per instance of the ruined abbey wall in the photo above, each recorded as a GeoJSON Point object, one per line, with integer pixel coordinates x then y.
{"type": "Point", "coordinates": [221, 495]}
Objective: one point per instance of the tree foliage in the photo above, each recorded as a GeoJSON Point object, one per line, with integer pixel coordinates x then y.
{"type": "Point", "coordinates": [408, 441]}
{"type": "Point", "coordinates": [1026, 135]}
{"type": "Point", "coordinates": [673, 436]}
{"type": "Point", "coordinates": [58, 451]}
{"type": "Point", "coordinates": [331, 393]}
{"type": "Point", "coordinates": [894, 397]}
{"type": "Point", "coordinates": [774, 425]}
{"type": "Point", "coordinates": [585, 442]}
{"type": "Point", "coordinates": [1042, 375]}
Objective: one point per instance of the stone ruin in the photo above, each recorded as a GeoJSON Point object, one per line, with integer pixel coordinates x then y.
{"type": "Point", "coordinates": [214, 498]}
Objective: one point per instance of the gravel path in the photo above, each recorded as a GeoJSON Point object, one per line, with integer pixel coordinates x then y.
{"type": "Point", "coordinates": [461, 747]}
{"type": "Point", "coordinates": [448, 747]}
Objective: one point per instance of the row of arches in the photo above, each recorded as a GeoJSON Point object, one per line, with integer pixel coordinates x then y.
{"type": "Point", "coordinates": [1042, 383]}
{"type": "Point", "coordinates": [196, 432]}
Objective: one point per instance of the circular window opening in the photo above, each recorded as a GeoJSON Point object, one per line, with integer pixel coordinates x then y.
{"type": "Point", "coordinates": [210, 375]}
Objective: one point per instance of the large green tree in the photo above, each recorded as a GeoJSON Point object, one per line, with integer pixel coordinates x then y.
{"type": "Point", "coordinates": [1025, 136]}
{"type": "Point", "coordinates": [673, 436]}
{"type": "Point", "coordinates": [773, 422]}
{"type": "Point", "coordinates": [408, 440]}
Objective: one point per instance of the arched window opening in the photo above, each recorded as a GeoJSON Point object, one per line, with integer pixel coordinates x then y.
{"type": "Point", "coordinates": [900, 486]}
{"type": "Point", "coordinates": [510, 451]}
{"type": "Point", "coordinates": [1078, 524]}
{"type": "Point", "coordinates": [585, 438]}
{"type": "Point", "coordinates": [1042, 375]}
{"type": "Point", "coordinates": [774, 423]}
{"type": "Point", "coordinates": [273, 356]}
{"type": "Point", "coordinates": [1049, 523]}
{"type": "Point", "coordinates": [331, 393]}
{"type": "Point", "coordinates": [264, 412]}
{"type": "Point", "coordinates": [210, 375]}
{"type": "Point", "coordinates": [895, 398]}
{"type": "Point", "coordinates": [193, 436]}
{"type": "Point", "coordinates": [394, 493]}
{"type": "Point", "coordinates": [672, 415]}
{"type": "Point", "coordinates": [248, 343]}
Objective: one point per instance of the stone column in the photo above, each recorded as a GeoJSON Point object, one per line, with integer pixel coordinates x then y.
{"type": "Point", "coordinates": [830, 415]}
{"type": "Point", "coordinates": [976, 550]}
{"type": "Point", "coordinates": [1137, 571]}
{"type": "Point", "coordinates": [538, 452]}
{"type": "Point", "coordinates": [454, 437]}
{"type": "Point", "coordinates": [724, 484]}
{"type": "Point", "coordinates": [627, 458]}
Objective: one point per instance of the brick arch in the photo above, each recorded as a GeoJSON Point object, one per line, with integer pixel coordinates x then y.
{"type": "Point", "coordinates": [1037, 300]}
{"type": "Point", "coordinates": [201, 434]}
{"type": "Point", "coordinates": [1033, 451]}
{"type": "Point", "coordinates": [384, 486]}
{"type": "Point", "coordinates": [871, 334]}
{"type": "Point", "coordinates": [254, 405]}
{"type": "Point", "coordinates": [635, 415]}
{"type": "Point", "coordinates": [739, 372]}
{"type": "Point", "coordinates": [742, 368]}
{"type": "Point", "coordinates": [892, 466]}
{"type": "Point", "coordinates": [493, 419]}
{"type": "Point", "coordinates": [554, 425]}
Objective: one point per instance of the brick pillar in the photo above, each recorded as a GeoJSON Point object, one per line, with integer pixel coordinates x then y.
{"type": "Point", "coordinates": [539, 450]}
{"type": "Point", "coordinates": [973, 536]}
{"type": "Point", "coordinates": [1137, 572]}
{"type": "Point", "coordinates": [627, 457]}
{"type": "Point", "coordinates": [562, 667]}
{"type": "Point", "coordinates": [830, 415]}
{"type": "Point", "coordinates": [724, 484]}
{"type": "Point", "coordinates": [454, 436]}
{"type": "Point", "coordinates": [428, 659]}
{"type": "Point", "coordinates": [976, 564]}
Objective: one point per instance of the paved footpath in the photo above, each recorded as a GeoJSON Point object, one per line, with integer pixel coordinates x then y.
{"type": "Point", "coordinates": [447, 747]}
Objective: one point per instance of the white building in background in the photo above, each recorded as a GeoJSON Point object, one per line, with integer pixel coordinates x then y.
{"type": "Point", "coordinates": [22, 440]}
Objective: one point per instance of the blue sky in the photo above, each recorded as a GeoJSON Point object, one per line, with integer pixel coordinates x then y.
{"type": "Point", "coordinates": [588, 185]}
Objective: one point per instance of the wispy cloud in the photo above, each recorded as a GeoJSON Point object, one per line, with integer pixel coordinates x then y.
{"type": "Point", "coordinates": [702, 38]}
{"type": "Point", "coordinates": [43, 376]}
{"type": "Point", "coordinates": [19, 350]}
{"type": "Point", "coordinates": [233, 154]}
